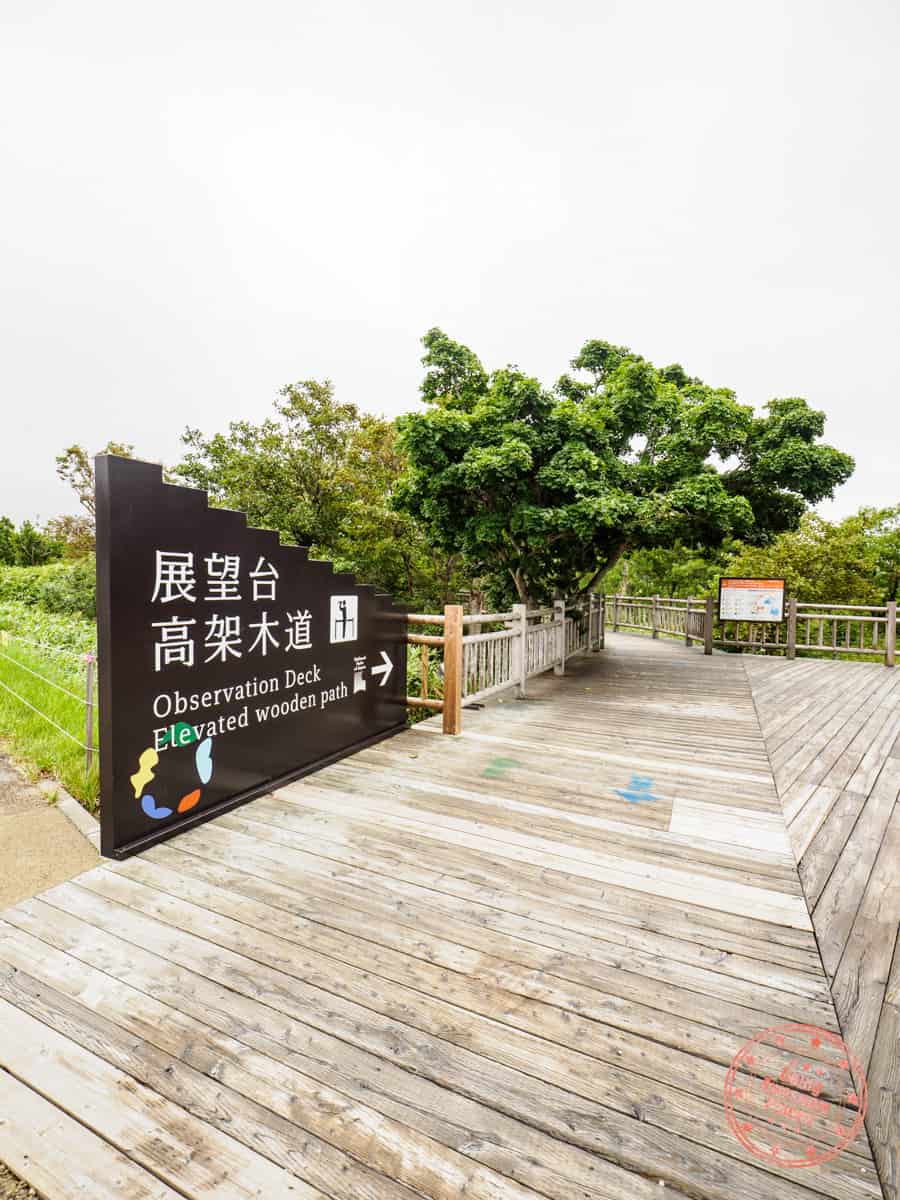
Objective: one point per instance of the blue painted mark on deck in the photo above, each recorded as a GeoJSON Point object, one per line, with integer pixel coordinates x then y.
{"type": "Point", "coordinates": [640, 787]}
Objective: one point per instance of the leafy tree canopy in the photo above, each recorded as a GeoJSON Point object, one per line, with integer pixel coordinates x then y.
{"type": "Point", "coordinates": [75, 534]}
{"type": "Point", "coordinates": [552, 487]}
{"type": "Point", "coordinates": [34, 548]}
{"type": "Point", "coordinates": [856, 561]}
{"type": "Point", "coordinates": [7, 542]}
{"type": "Point", "coordinates": [283, 472]}
{"type": "Point", "coordinates": [75, 467]}
{"type": "Point", "coordinates": [322, 474]}
{"type": "Point", "coordinates": [27, 546]}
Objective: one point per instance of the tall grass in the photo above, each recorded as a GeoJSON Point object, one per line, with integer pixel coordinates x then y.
{"type": "Point", "coordinates": [37, 651]}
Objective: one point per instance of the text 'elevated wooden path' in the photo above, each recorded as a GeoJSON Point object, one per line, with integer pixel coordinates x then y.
{"type": "Point", "coordinates": [508, 965]}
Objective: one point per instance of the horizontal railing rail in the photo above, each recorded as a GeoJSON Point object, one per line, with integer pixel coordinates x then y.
{"type": "Point", "coordinates": [482, 662]}
{"type": "Point", "coordinates": [863, 630]}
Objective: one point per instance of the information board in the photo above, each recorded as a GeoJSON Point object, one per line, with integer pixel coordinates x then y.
{"type": "Point", "coordinates": [751, 599]}
{"type": "Point", "coordinates": [229, 663]}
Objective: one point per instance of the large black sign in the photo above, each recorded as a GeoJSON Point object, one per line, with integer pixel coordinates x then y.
{"type": "Point", "coordinates": [229, 664]}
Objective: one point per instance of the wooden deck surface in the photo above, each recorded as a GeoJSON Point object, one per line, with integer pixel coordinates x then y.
{"type": "Point", "coordinates": [508, 965]}
{"type": "Point", "coordinates": [833, 735]}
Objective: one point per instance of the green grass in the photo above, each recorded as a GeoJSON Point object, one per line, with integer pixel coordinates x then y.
{"type": "Point", "coordinates": [36, 744]}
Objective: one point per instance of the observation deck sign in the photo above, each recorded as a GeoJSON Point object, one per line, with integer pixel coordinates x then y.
{"type": "Point", "coordinates": [229, 663]}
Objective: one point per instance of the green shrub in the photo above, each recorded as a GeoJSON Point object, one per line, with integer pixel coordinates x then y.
{"type": "Point", "coordinates": [59, 587]}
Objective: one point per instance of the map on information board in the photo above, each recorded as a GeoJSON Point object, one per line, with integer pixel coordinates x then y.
{"type": "Point", "coordinates": [751, 599]}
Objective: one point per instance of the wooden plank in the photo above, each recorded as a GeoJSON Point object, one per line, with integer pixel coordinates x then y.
{"type": "Point", "coordinates": [580, 840]}
{"type": "Point", "coordinates": [190, 1156]}
{"type": "Point", "coordinates": [816, 1001]}
{"type": "Point", "coordinates": [623, 999]}
{"type": "Point", "coordinates": [810, 819]}
{"type": "Point", "coordinates": [475, 992]}
{"type": "Point", "coordinates": [683, 885]}
{"type": "Point", "coordinates": [295, 1121]}
{"type": "Point", "coordinates": [841, 896]}
{"type": "Point", "coordinates": [621, 993]}
{"type": "Point", "coordinates": [551, 1098]}
{"type": "Point", "coordinates": [444, 1005]}
{"type": "Point", "coordinates": [861, 980]}
{"type": "Point", "coordinates": [732, 826]}
{"type": "Point", "coordinates": [883, 1122]}
{"type": "Point", "coordinates": [62, 1159]}
{"type": "Point", "coordinates": [827, 846]}
{"type": "Point", "coordinates": [552, 1166]}
{"type": "Point", "coordinates": [541, 809]}
{"type": "Point", "coordinates": [419, 974]}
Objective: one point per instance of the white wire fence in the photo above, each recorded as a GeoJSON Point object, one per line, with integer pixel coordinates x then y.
{"type": "Point", "coordinates": [75, 667]}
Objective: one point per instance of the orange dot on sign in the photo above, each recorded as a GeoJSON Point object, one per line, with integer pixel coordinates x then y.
{"type": "Point", "coordinates": [188, 801]}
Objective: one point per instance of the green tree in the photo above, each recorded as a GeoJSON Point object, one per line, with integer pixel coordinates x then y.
{"type": "Point", "coordinates": [667, 571]}
{"type": "Point", "coordinates": [551, 488]}
{"type": "Point", "coordinates": [34, 548]}
{"type": "Point", "coordinates": [8, 553]}
{"type": "Point", "coordinates": [323, 475]}
{"type": "Point", "coordinates": [75, 467]}
{"type": "Point", "coordinates": [855, 561]}
{"type": "Point", "coordinates": [285, 472]}
{"type": "Point", "coordinates": [379, 544]}
{"type": "Point", "coordinates": [75, 534]}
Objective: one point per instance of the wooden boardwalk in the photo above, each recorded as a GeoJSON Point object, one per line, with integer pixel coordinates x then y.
{"type": "Point", "coordinates": [509, 965]}
{"type": "Point", "coordinates": [833, 734]}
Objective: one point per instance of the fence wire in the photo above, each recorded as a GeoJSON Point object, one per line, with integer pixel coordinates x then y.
{"type": "Point", "coordinates": [59, 687]}
{"type": "Point", "coordinates": [47, 646]}
{"type": "Point", "coordinates": [49, 720]}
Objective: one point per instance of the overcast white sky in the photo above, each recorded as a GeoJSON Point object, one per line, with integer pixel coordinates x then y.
{"type": "Point", "coordinates": [202, 201]}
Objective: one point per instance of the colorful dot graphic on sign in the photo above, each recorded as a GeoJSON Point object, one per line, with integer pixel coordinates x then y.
{"type": "Point", "coordinates": [203, 760]}
{"type": "Point", "coordinates": [188, 801]}
{"type": "Point", "coordinates": [144, 774]}
{"type": "Point", "coordinates": [148, 804]}
{"type": "Point", "coordinates": [179, 737]}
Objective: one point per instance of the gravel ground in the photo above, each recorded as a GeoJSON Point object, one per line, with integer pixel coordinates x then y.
{"type": "Point", "coordinates": [39, 846]}
{"type": "Point", "coordinates": [12, 1188]}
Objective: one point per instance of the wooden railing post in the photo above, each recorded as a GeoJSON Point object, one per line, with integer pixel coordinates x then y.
{"type": "Point", "coordinates": [654, 617]}
{"type": "Point", "coordinates": [890, 640]}
{"type": "Point", "coordinates": [616, 613]}
{"type": "Point", "coordinates": [688, 640]}
{"type": "Point", "coordinates": [453, 664]}
{"type": "Point", "coordinates": [709, 618]}
{"type": "Point", "coordinates": [601, 641]}
{"type": "Point", "coordinates": [559, 620]}
{"type": "Point", "coordinates": [792, 627]}
{"type": "Point", "coordinates": [519, 665]}
{"type": "Point", "coordinates": [592, 608]}
{"type": "Point", "coordinates": [89, 662]}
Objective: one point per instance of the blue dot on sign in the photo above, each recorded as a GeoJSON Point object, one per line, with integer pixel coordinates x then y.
{"type": "Point", "coordinates": [640, 787]}
{"type": "Point", "coordinates": [148, 804]}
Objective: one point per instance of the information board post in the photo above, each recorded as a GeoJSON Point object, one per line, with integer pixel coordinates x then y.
{"type": "Point", "coordinates": [229, 664]}
{"type": "Point", "coordinates": [890, 642]}
{"type": "Point", "coordinates": [792, 628]}
{"type": "Point", "coordinates": [709, 619]}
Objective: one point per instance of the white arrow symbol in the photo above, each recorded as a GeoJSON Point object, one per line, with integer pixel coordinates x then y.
{"type": "Point", "coordinates": [384, 669]}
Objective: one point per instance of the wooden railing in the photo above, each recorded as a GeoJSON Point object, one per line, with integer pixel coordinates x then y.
{"type": "Point", "coordinates": [484, 662]}
{"type": "Point", "coordinates": [867, 630]}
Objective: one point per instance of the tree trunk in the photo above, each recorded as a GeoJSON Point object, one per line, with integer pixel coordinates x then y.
{"type": "Point", "coordinates": [607, 566]}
